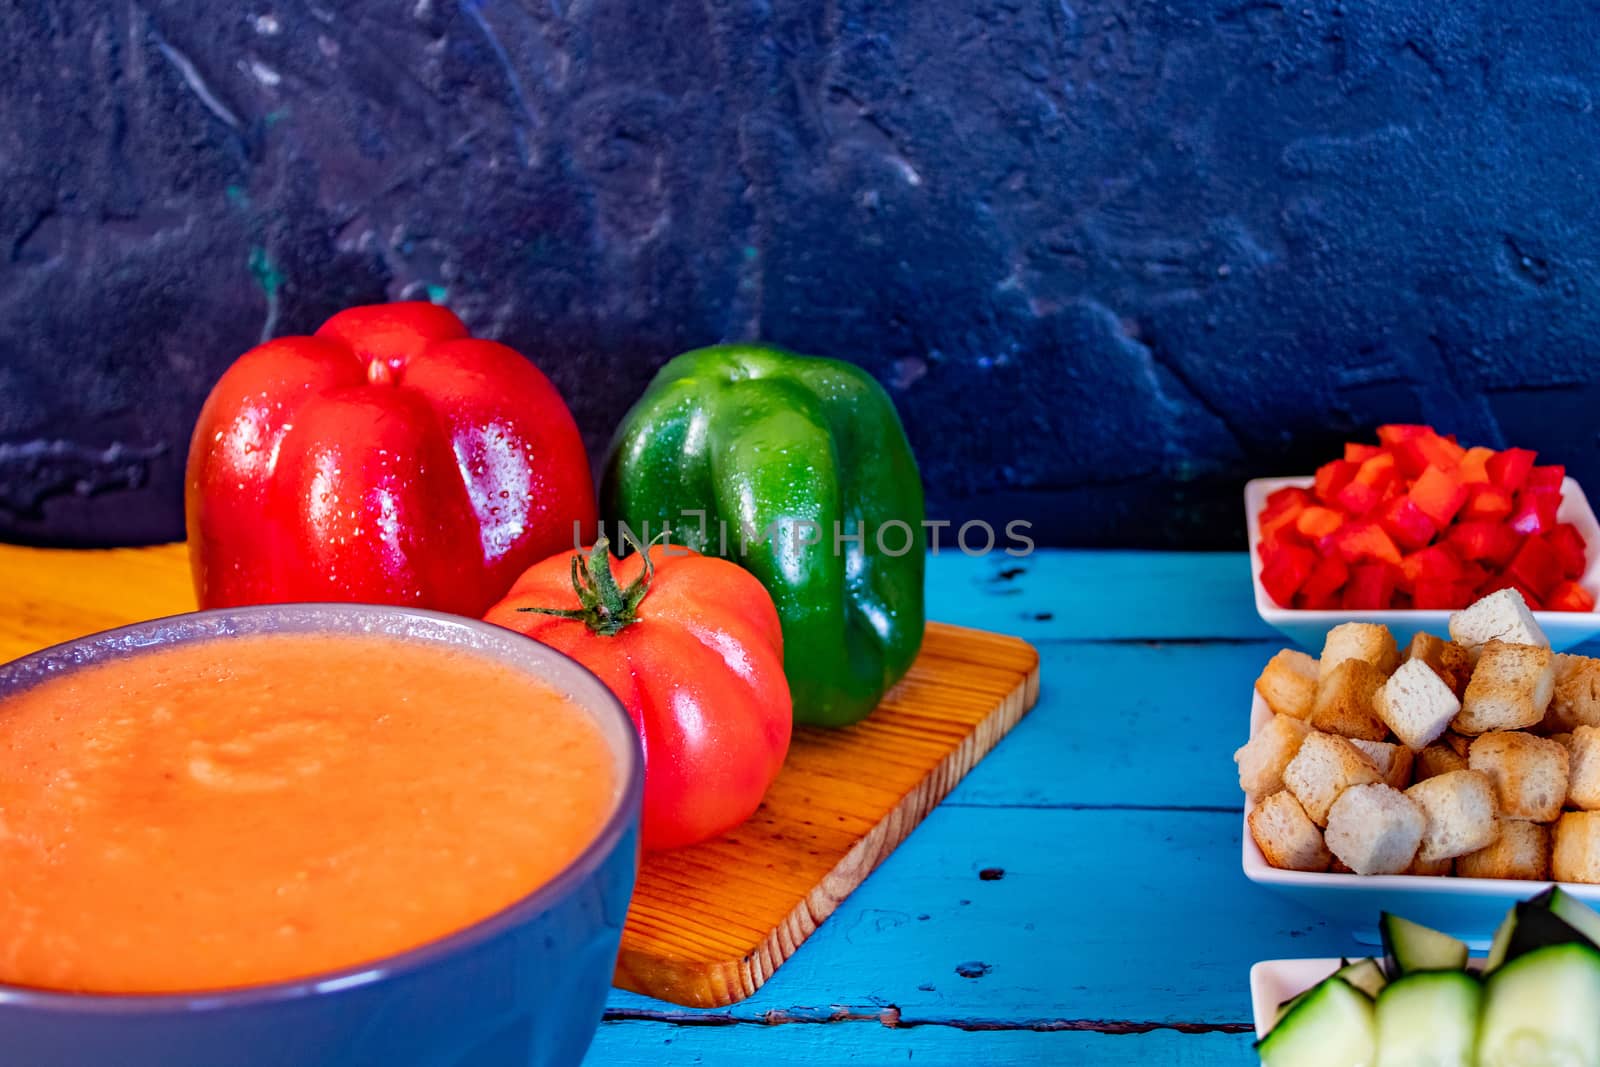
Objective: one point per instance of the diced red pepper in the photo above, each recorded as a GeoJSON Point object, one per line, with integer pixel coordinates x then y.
{"type": "Point", "coordinates": [1281, 528]}
{"type": "Point", "coordinates": [1406, 523]}
{"type": "Point", "coordinates": [1371, 587]}
{"type": "Point", "coordinates": [1536, 566]}
{"type": "Point", "coordinates": [1316, 522]}
{"type": "Point", "coordinates": [1416, 454]}
{"type": "Point", "coordinates": [1281, 500]}
{"type": "Point", "coordinates": [1332, 477]}
{"type": "Point", "coordinates": [1358, 541]}
{"type": "Point", "coordinates": [1548, 477]}
{"type": "Point", "coordinates": [1436, 563]}
{"type": "Point", "coordinates": [1486, 502]}
{"type": "Point", "coordinates": [1322, 587]}
{"type": "Point", "coordinates": [1355, 452]}
{"type": "Point", "coordinates": [1365, 491]}
{"type": "Point", "coordinates": [1475, 466]}
{"type": "Point", "coordinates": [1284, 570]}
{"type": "Point", "coordinates": [1535, 511]}
{"type": "Point", "coordinates": [1498, 582]}
{"type": "Point", "coordinates": [1438, 494]}
{"type": "Point", "coordinates": [1570, 548]}
{"type": "Point", "coordinates": [1491, 542]}
{"type": "Point", "coordinates": [1569, 596]}
{"type": "Point", "coordinates": [1509, 469]}
{"type": "Point", "coordinates": [1392, 433]}
{"type": "Point", "coordinates": [1434, 594]}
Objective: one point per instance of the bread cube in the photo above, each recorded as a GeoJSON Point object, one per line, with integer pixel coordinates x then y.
{"type": "Point", "coordinates": [1458, 743]}
{"type": "Point", "coordinates": [1583, 777]}
{"type": "Point", "coordinates": [1510, 689]}
{"type": "Point", "coordinates": [1366, 641]}
{"type": "Point", "coordinates": [1288, 683]}
{"type": "Point", "coordinates": [1459, 813]}
{"type": "Point", "coordinates": [1416, 704]}
{"type": "Point", "coordinates": [1326, 766]}
{"type": "Point", "coordinates": [1286, 836]}
{"type": "Point", "coordinates": [1501, 616]}
{"type": "Point", "coordinates": [1522, 850]}
{"type": "Point", "coordinates": [1446, 658]}
{"type": "Point", "coordinates": [1575, 700]}
{"type": "Point", "coordinates": [1529, 773]}
{"type": "Point", "coordinates": [1435, 760]}
{"type": "Point", "coordinates": [1394, 762]}
{"type": "Point", "coordinates": [1375, 829]}
{"type": "Point", "coordinates": [1436, 868]}
{"type": "Point", "coordinates": [1262, 760]}
{"type": "Point", "coordinates": [1339, 866]}
{"type": "Point", "coordinates": [1575, 847]}
{"type": "Point", "coordinates": [1344, 702]}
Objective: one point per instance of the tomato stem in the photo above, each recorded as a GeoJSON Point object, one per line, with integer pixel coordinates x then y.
{"type": "Point", "coordinates": [606, 608]}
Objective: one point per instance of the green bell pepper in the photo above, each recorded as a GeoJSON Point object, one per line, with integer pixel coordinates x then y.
{"type": "Point", "coordinates": [798, 469]}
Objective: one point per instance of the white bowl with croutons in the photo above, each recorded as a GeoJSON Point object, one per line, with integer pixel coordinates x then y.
{"type": "Point", "coordinates": [1438, 780]}
{"type": "Point", "coordinates": [1308, 628]}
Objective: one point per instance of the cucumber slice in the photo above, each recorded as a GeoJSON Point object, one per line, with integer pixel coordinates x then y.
{"type": "Point", "coordinates": [1538, 927]}
{"type": "Point", "coordinates": [1501, 945]}
{"type": "Point", "coordinates": [1333, 1026]}
{"type": "Point", "coordinates": [1574, 912]}
{"type": "Point", "coordinates": [1543, 1010]}
{"type": "Point", "coordinates": [1410, 947]}
{"type": "Point", "coordinates": [1365, 975]}
{"type": "Point", "coordinates": [1429, 1019]}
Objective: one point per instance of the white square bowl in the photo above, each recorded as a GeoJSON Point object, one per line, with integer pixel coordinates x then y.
{"type": "Point", "coordinates": [1467, 908]}
{"type": "Point", "coordinates": [1308, 628]}
{"type": "Point", "coordinates": [1274, 981]}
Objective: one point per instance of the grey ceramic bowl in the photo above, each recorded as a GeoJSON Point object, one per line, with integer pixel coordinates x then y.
{"type": "Point", "coordinates": [524, 987]}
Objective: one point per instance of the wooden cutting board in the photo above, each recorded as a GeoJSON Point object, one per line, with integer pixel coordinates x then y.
{"type": "Point", "coordinates": [709, 924]}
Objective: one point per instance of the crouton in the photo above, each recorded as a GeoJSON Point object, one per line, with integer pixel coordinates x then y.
{"type": "Point", "coordinates": [1435, 760]}
{"type": "Point", "coordinates": [1369, 642]}
{"type": "Point", "coordinates": [1326, 766]}
{"type": "Point", "coordinates": [1394, 762]}
{"type": "Point", "coordinates": [1458, 743]}
{"type": "Point", "coordinates": [1529, 773]}
{"type": "Point", "coordinates": [1510, 689]}
{"type": "Point", "coordinates": [1286, 836]}
{"type": "Point", "coordinates": [1447, 659]}
{"type": "Point", "coordinates": [1522, 850]}
{"type": "Point", "coordinates": [1339, 866]}
{"type": "Point", "coordinates": [1344, 702]}
{"type": "Point", "coordinates": [1583, 777]}
{"type": "Point", "coordinates": [1458, 808]}
{"type": "Point", "coordinates": [1416, 704]}
{"type": "Point", "coordinates": [1575, 700]}
{"type": "Point", "coordinates": [1500, 616]}
{"type": "Point", "coordinates": [1375, 829]}
{"type": "Point", "coordinates": [1436, 868]}
{"type": "Point", "coordinates": [1575, 848]}
{"type": "Point", "coordinates": [1261, 762]}
{"type": "Point", "coordinates": [1288, 683]}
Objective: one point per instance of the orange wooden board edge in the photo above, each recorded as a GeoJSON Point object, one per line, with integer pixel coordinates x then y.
{"type": "Point", "coordinates": [709, 924]}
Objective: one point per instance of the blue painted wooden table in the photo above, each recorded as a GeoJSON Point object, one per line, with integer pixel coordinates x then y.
{"type": "Point", "coordinates": [1078, 898]}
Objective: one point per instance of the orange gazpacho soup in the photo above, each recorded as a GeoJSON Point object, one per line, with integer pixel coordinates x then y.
{"type": "Point", "coordinates": [251, 809]}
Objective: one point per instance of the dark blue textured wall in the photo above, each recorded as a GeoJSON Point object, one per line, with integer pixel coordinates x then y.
{"type": "Point", "coordinates": [1110, 257]}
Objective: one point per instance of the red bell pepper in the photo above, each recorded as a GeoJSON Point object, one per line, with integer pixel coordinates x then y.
{"type": "Point", "coordinates": [1535, 511]}
{"type": "Point", "coordinates": [1358, 541]}
{"type": "Point", "coordinates": [1505, 581]}
{"type": "Point", "coordinates": [1371, 587]}
{"type": "Point", "coordinates": [1436, 563]}
{"type": "Point", "coordinates": [1355, 452]}
{"type": "Point", "coordinates": [1405, 522]}
{"type": "Point", "coordinates": [1433, 593]}
{"type": "Point", "coordinates": [1486, 502]}
{"type": "Point", "coordinates": [1494, 542]}
{"type": "Point", "coordinates": [1321, 589]}
{"type": "Point", "coordinates": [390, 458]}
{"type": "Point", "coordinates": [1536, 566]}
{"type": "Point", "coordinates": [1569, 548]}
{"type": "Point", "coordinates": [1475, 466]}
{"type": "Point", "coordinates": [1509, 469]}
{"type": "Point", "coordinates": [1438, 494]}
{"type": "Point", "coordinates": [1315, 522]}
{"type": "Point", "coordinates": [1284, 570]}
{"type": "Point", "coordinates": [1365, 490]}
{"type": "Point", "coordinates": [1548, 477]}
{"type": "Point", "coordinates": [1569, 596]}
{"type": "Point", "coordinates": [1332, 477]}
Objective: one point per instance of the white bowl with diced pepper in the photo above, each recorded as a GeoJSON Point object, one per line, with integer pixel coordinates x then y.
{"type": "Point", "coordinates": [1437, 780]}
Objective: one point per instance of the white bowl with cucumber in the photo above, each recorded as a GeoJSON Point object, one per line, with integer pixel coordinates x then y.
{"type": "Point", "coordinates": [1534, 1000]}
